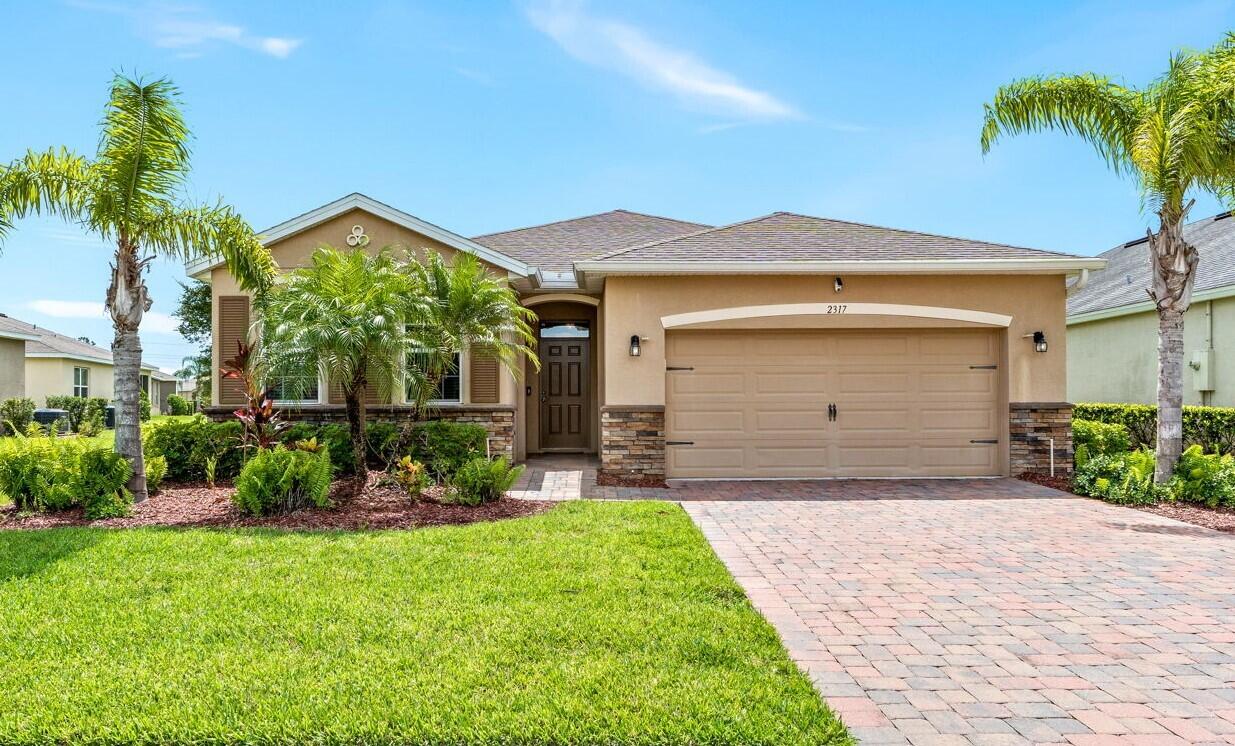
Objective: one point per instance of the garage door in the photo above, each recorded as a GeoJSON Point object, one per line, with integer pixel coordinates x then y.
{"type": "Point", "coordinates": [851, 403]}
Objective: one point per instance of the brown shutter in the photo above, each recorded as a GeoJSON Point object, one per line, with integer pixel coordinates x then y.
{"type": "Point", "coordinates": [483, 378]}
{"type": "Point", "coordinates": [233, 329]}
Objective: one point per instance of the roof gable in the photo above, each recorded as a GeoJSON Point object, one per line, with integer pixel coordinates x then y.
{"type": "Point", "coordinates": [359, 201]}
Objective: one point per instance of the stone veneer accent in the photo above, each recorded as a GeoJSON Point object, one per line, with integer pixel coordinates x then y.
{"type": "Point", "coordinates": [1031, 426]}
{"type": "Point", "coordinates": [632, 440]}
{"type": "Point", "coordinates": [498, 419]}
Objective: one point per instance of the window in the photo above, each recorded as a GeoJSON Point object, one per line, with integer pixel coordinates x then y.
{"type": "Point", "coordinates": [449, 387]}
{"type": "Point", "coordinates": [146, 384]}
{"type": "Point", "coordinates": [294, 389]}
{"type": "Point", "coordinates": [81, 382]}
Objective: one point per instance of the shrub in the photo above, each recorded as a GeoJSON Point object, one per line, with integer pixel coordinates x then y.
{"type": "Point", "coordinates": [99, 483]}
{"type": "Point", "coordinates": [188, 444]}
{"type": "Point", "coordinates": [144, 407]}
{"type": "Point", "coordinates": [81, 410]}
{"type": "Point", "coordinates": [156, 470]}
{"type": "Point", "coordinates": [1123, 478]}
{"type": "Point", "coordinates": [481, 480]}
{"type": "Point", "coordinates": [445, 446]}
{"type": "Point", "coordinates": [333, 436]}
{"type": "Point", "coordinates": [92, 425]}
{"type": "Point", "coordinates": [442, 446]}
{"type": "Point", "coordinates": [412, 476]}
{"type": "Point", "coordinates": [1204, 478]}
{"type": "Point", "coordinates": [179, 405]}
{"type": "Point", "coordinates": [16, 415]}
{"type": "Point", "coordinates": [279, 480]}
{"type": "Point", "coordinates": [1098, 439]}
{"type": "Point", "coordinates": [1212, 428]}
{"type": "Point", "coordinates": [47, 473]}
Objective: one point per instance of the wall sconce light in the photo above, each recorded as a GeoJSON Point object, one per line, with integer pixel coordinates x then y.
{"type": "Point", "coordinates": [1039, 341]}
{"type": "Point", "coordinates": [634, 345]}
{"type": "Point", "coordinates": [838, 284]}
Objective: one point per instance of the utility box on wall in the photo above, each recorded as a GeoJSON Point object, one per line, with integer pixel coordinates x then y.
{"type": "Point", "coordinates": [1202, 370]}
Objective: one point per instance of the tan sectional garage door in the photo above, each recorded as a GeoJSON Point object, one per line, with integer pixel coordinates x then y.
{"type": "Point", "coordinates": [755, 403]}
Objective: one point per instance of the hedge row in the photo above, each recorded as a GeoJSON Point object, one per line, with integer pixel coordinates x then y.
{"type": "Point", "coordinates": [1212, 428]}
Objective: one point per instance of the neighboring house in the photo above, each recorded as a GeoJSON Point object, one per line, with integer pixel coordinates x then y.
{"type": "Point", "coordinates": [13, 340]}
{"type": "Point", "coordinates": [784, 346]}
{"type": "Point", "coordinates": [1113, 327]}
{"type": "Point", "coordinates": [58, 365]}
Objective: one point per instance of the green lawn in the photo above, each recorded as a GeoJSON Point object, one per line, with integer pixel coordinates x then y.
{"type": "Point", "coordinates": [597, 623]}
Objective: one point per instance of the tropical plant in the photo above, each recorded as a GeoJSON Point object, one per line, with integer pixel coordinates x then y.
{"type": "Point", "coordinates": [411, 475]}
{"type": "Point", "coordinates": [262, 422]}
{"type": "Point", "coordinates": [347, 314]}
{"type": "Point", "coordinates": [1174, 137]}
{"type": "Point", "coordinates": [467, 308]}
{"type": "Point", "coordinates": [280, 480]}
{"type": "Point", "coordinates": [199, 369]}
{"type": "Point", "coordinates": [132, 194]}
{"type": "Point", "coordinates": [481, 480]}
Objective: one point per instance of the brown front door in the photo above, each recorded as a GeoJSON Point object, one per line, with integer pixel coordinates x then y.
{"type": "Point", "coordinates": [564, 394]}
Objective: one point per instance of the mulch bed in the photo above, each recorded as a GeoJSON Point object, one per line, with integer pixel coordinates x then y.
{"type": "Point", "coordinates": [374, 505]}
{"type": "Point", "coordinates": [1219, 519]}
{"type": "Point", "coordinates": [613, 480]}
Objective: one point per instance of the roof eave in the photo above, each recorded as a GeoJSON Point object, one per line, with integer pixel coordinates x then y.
{"type": "Point", "coordinates": [21, 336]}
{"type": "Point", "coordinates": [201, 268]}
{"type": "Point", "coordinates": [1131, 309]}
{"type": "Point", "coordinates": [1048, 265]}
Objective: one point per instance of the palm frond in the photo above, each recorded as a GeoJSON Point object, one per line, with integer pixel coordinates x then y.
{"type": "Point", "coordinates": [143, 150]}
{"type": "Point", "coordinates": [52, 182]}
{"type": "Point", "coordinates": [193, 232]}
{"type": "Point", "coordinates": [1100, 111]}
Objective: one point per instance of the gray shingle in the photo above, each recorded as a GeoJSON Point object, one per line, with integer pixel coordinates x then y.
{"type": "Point", "coordinates": [555, 246]}
{"type": "Point", "coordinates": [784, 236]}
{"type": "Point", "coordinates": [54, 343]}
{"type": "Point", "coordinates": [1126, 277]}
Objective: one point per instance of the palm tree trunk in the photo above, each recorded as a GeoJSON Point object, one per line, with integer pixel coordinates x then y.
{"type": "Point", "coordinates": [1173, 262]}
{"type": "Point", "coordinates": [354, 399]}
{"type": "Point", "coordinates": [127, 300]}
{"type": "Point", "coordinates": [1170, 392]}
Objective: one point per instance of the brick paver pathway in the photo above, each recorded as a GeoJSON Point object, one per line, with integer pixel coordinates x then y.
{"type": "Point", "coordinates": [987, 611]}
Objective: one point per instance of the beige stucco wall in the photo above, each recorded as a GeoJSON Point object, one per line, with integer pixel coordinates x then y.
{"type": "Point", "coordinates": [1116, 359]}
{"type": "Point", "coordinates": [50, 376]}
{"type": "Point", "coordinates": [294, 251]}
{"type": "Point", "coordinates": [12, 368]}
{"type": "Point", "coordinates": [635, 305]}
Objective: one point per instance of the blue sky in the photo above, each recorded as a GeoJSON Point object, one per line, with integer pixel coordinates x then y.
{"type": "Point", "coordinates": [482, 116]}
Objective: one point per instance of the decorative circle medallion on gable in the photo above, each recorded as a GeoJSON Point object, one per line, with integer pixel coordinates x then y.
{"type": "Point", "coordinates": [357, 237]}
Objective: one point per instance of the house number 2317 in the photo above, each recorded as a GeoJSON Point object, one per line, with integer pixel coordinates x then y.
{"type": "Point", "coordinates": [836, 308]}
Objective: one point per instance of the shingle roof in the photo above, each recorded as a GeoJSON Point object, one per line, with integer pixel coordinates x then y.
{"type": "Point", "coordinates": [51, 343]}
{"type": "Point", "coordinates": [1126, 276]}
{"type": "Point", "coordinates": [785, 236]}
{"type": "Point", "coordinates": [555, 246]}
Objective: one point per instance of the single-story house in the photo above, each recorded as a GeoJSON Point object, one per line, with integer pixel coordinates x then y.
{"type": "Point", "coordinates": [1113, 327]}
{"type": "Point", "coordinates": [54, 364]}
{"type": "Point", "coordinates": [786, 346]}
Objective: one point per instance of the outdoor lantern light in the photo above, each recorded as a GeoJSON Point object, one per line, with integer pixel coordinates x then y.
{"type": "Point", "coordinates": [838, 284]}
{"type": "Point", "coordinates": [1039, 341]}
{"type": "Point", "coordinates": [634, 345]}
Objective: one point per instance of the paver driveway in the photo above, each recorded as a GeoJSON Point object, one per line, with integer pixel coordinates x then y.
{"type": "Point", "coordinates": [988, 611]}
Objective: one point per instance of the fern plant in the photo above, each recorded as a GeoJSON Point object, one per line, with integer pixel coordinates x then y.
{"type": "Point", "coordinates": [481, 480]}
{"type": "Point", "coordinates": [280, 480]}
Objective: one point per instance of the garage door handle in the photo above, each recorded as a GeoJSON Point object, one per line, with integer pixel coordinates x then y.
{"type": "Point", "coordinates": [983, 367]}
{"type": "Point", "coordinates": [990, 442]}
{"type": "Point", "coordinates": [679, 442]}
{"type": "Point", "coordinates": [831, 413]}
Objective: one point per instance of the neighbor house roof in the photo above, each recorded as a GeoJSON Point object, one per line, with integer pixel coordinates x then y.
{"type": "Point", "coordinates": [1121, 287]}
{"type": "Point", "coordinates": [785, 241]}
{"type": "Point", "coordinates": [42, 342]}
{"type": "Point", "coordinates": [556, 246]}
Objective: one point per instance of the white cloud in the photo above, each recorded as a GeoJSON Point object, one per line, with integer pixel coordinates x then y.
{"type": "Point", "coordinates": [152, 321]}
{"type": "Point", "coordinates": [189, 29]}
{"type": "Point", "coordinates": [629, 50]}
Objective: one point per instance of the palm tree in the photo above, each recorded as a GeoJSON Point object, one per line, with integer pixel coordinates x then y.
{"type": "Point", "coordinates": [359, 318]}
{"type": "Point", "coordinates": [197, 368]}
{"type": "Point", "coordinates": [467, 309]}
{"type": "Point", "coordinates": [130, 194]}
{"type": "Point", "coordinates": [1174, 137]}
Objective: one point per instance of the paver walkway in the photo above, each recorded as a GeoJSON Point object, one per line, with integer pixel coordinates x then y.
{"type": "Point", "coordinates": [987, 611]}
